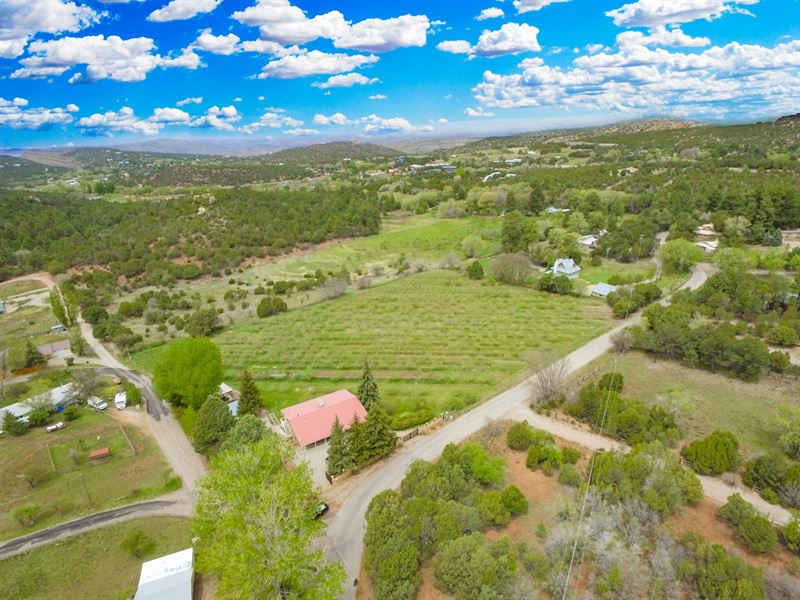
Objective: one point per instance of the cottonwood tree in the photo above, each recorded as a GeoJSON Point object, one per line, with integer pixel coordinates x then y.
{"type": "Point", "coordinates": [368, 392]}
{"type": "Point", "coordinates": [84, 384]}
{"type": "Point", "coordinates": [248, 429]}
{"type": "Point", "coordinates": [189, 370]}
{"type": "Point", "coordinates": [255, 528]}
{"type": "Point", "coordinates": [250, 396]}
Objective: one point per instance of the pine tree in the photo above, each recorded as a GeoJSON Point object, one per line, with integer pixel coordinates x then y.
{"type": "Point", "coordinates": [13, 425]}
{"type": "Point", "coordinates": [214, 419]}
{"type": "Point", "coordinates": [368, 390]}
{"type": "Point", "coordinates": [250, 397]}
{"type": "Point", "coordinates": [33, 358]}
{"type": "Point", "coordinates": [339, 457]}
{"type": "Point", "coordinates": [358, 444]}
{"type": "Point", "coordinates": [378, 435]}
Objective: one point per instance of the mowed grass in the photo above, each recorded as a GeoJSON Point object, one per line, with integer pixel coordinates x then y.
{"type": "Point", "coordinates": [706, 401]}
{"type": "Point", "coordinates": [434, 339]}
{"type": "Point", "coordinates": [19, 287]}
{"type": "Point", "coordinates": [90, 565]}
{"type": "Point", "coordinates": [72, 485]}
{"type": "Point", "coordinates": [28, 323]}
{"type": "Point", "coordinates": [602, 273]}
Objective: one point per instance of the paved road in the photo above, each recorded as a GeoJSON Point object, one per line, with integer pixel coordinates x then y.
{"type": "Point", "coordinates": [173, 505]}
{"type": "Point", "coordinates": [344, 537]}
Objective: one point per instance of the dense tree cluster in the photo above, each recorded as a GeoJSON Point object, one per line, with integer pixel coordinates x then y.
{"type": "Point", "coordinates": [180, 239]}
{"type": "Point", "coordinates": [438, 509]}
{"type": "Point", "coordinates": [360, 443]}
{"type": "Point", "coordinates": [754, 530]}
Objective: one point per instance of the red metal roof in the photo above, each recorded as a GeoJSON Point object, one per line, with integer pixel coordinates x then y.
{"type": "Point", "coordinates": [100, 453]}
{"type": "Point", "coordinates": [311, 421]}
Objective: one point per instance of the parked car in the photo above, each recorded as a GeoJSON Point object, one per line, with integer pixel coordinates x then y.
{"type": "Point", "coordinates": [97, 403]}
{"type": "Point", "coordinates": [55, 427]}
{"type": "Point", "coordinates": [321, 509]}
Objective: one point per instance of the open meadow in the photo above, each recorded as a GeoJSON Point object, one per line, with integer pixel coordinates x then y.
{"type": "Point", "coordinates": [12, 288]}
{"type": "Point", "coordinates": [90, 565]}
{"type": "Point", "coordinates": [52, 474]}
{"type": "Point", "coordinates": [435, 340]}
{"type": "Point", "coordinates": [705, 401]}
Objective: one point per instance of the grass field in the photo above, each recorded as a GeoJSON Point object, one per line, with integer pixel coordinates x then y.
{"type": "Point", "coordinates": [92, 565]}
{"type": "Point", "coordinates": [706, 401]}
{"type": "Point", "coordinates": [28, 323]}
{"type": "Point", "coordinates": [602, 273]}
{"type": "Point", "coordinates": [19, 287]}
{"type": "Point", "coordinates": [434, 339]}
{"type": "Point", "coordinates": [70, 484]}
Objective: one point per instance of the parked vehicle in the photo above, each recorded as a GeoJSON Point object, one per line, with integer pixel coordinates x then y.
{"type": "Point", "coordinates": [55, 427]}
{"type": "Point", "coordinates": [97, 403]}
{"type": "Point", "coordinates": [120, 400]}
{"type": "Point", "coordinates": [322, 508]}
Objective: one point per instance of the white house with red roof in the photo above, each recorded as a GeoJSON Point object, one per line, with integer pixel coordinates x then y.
{"type": "Point", "coordinates": [310, 422]}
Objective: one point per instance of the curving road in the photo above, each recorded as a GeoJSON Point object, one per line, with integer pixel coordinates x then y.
{"type": "Point", "coordinates": [346, 525]}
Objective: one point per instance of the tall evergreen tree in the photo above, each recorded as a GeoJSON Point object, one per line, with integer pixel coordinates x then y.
{"type": "Point", "coordinates": [339, 457]}
{"type": "Point", "coordinates": [378, 435]}
{"type": "Point", "coordinates": [33, 357]}
{"type": "Point", "coordinates": [213, 422]}
{"type": "Point", "coordinates": [368, 390]}
{"type": "Point", "coordinates": [250, 397]}
{"type": "Point", "coordinates": [358, 444]}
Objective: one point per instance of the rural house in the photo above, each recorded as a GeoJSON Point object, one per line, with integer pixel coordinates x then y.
{"type": "Point", "coordinates": [566, 267]}
{"type": "Point", "coordinates": [310, 422]}
{"type": "Point", "coordinates": [169, 577]}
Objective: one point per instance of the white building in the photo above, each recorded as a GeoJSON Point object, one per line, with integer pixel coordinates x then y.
{"type": "Point", "coordinates": [566, 267]}
{"type": "Point", "coordinates": [59, 398]}
{"type": "Point", "coordinates": [590, 241]}
{"type": "Point", "coordinates": [120, 400]}
{"type": "Point", "coordinates": [170, 577]}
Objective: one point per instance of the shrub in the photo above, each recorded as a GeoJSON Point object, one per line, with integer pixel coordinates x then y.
{"type": "Point", "coordinates": [521, 436]}
{"type": "Point", "coordinates": [714, 454]}
{"type": "Point", "coordinates": [412, 419]}
{"type": "Point", "coordinates": [783, 335]}
{"type": "Point", "coordinates": [475, 270]}
{"type": "Point", "coordinates": [737, 510]}
{"type": "Point", "coordinates": [271, 305]}
{"type": "Point", "coordinates": [38, 418]}
{"type": "Point", "coordinates": [790, 536]}
{"type": "Point", "coordinates": [757, 533]}
{"type": "Point", "coordinates": [27, 515]}
{"type": "Point", "coordinates": [138, 543]}
{"type": "Point", "coordinates": [569, 475]}
{"type": "Point", "coordinates": [492, 508]}
{"type": "Point", "coordinates": [545, 457]}
{"type": "Point", "coordinates": [767, 472]}
{"type": "Point", "coordinates": [612, 381]}
{"type": "Point", "coordinates": [513, 269]}
{"type": "Point", "coordinates": [514, 500]}
{"type": "Point", "coordinates": [570, 455]}
{"type": "Point", "coordinates": [71, 413]}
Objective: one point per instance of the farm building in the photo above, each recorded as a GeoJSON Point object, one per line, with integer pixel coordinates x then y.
{"type": "Point", "coordinates": [566, 267]}
{"type": "Point", "coordinates": [59, 348]}
{"type": "Point", "coordinates": [169, 577]}
{"type": "Point", "coordinates": [602, 289]}
{"type": "Point", "coordinates": [228, 393]}
{"type": "Point", "coordinates": [310, 422]}
{"type": "Point", "coordinates": [58, 328]}
{"type": "Point", "coordinates": [590, 241]}
{"type": "Point", "coordinates": [708, 246]}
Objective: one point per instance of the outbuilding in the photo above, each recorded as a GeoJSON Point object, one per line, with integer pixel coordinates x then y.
{"type": "Point", "coordinates": [169, 577]}
{"type": "Point", "coordinates": [566, 267]}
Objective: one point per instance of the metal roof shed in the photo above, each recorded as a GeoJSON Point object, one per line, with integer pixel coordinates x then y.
{"type": "Point", "coordinates": [170, 577]}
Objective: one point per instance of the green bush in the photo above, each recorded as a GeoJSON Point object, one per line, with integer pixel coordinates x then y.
{"type": "Point", "coordinates": [570, 455]}
{"type": "Point", "coordinates": [546, 457]}
{"type": "Point", "coordinates": [138, 543]}
{"type": "Point", "coordinates": [612, 381]}
{"type": "Point", "coordinates": [493, 509]}
{"type": "Point", "coordinates": [475, 270]}
{"type": "Point", "coordinates": [271, 305]}
{"type": "Point", "coordinates": [757, 533]}
{"type": "Point", "coordinates": [736, 510]}
{"type": "Point", "coordinates": [38, 418]}
{"type": "Point", "coordinates": [514, 500]}
{"type": "Point", "coordinates": [569, 475]}
{"type": "Point", "coordinates": [521, 436]}
{"type": "Point", "coordinates": [783, 335]}
{"type": "Point", "coordinates": [714, 454]}
{"type": "Point", "coordinates": [27, 515]}
{"type": "Point", "coordinates": [790, 536]}
{"type": "Point", "coordinates": [71, 413]}
{"type": "Point", "coordinates": [408, 420]}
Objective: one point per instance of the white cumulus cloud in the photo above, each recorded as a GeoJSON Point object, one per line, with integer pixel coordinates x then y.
{"type": "Point", "coordinates": [477, 112]}
{"type": "Point", "coordinates": [14, 114]}
{"type": "Point", "coordinates": [170, 115]}
{"type": "Point", "coordinates": [511, 38]}
{"type": "Point", "coordinates": [20, 20]}
{"type": "Point", "coordinates": [299, 131]}
{"type": "Point", "coordinates": [524, 6]}
{"type": "Point", "coordinates": [383, 35]}
{"type": "Point", "coordinates": [218, 44]}
{"type": "Point", "coordinates": [178, 10]}
{"type": "Point", "coordinates": [651, 13]}
{"type": "Point", "coordinates": [314, 62]}
{"type": "Point", "coordinates": [192, 100]}
{"type": "Point", "coordinates": [334, 119]}
{"type": "Point", "coordinates": [124, 120]}
{"type": "Point", "coordinates": [272, 119]}
{"type": "Point", "coordinates": [494, 12]}
{"type": "Point", "coordinates": [345, 81]}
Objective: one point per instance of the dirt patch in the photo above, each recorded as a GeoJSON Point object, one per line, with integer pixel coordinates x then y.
{"type": "Point", "coordinates": [702, 518]}
{"type": "Point", "coordinates": [428, 591]}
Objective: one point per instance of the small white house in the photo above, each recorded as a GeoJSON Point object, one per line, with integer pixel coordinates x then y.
{"type": "Point", "coordinates": [709, 246]}
{"type": "Point", "coordinates": [121, 400]}
{"type": "Point", "coordinates": [590, 241]}
{"type": "Point", "coordinates": [169, 577]}
{"type": "Point", "coordinates": [707, 230]}
{"type": "Point", "coordinates": [552, 210]}
{"type": "Point", "coordinates": [566, 267]}
{"type": "Point", "coordinates": [602, 289]}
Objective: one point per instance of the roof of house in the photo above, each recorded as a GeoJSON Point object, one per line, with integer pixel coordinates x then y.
{"type": "Point", "coordinates": [603, 289]}
{"type": "Point", "coordinates": [54, 347]}
{"type": "Point", "coordinates": [100, 453]}
{"type": "Point", "coordinates": [565, 265]}
{"type": "Point", "coordinates": [169, 577]}
{"type": "Point", "coordinates": [311, 421]}
{"type": "Point", "coordinates": [233, 407]}
{"type": "Point", "coordinates": [224, 388]}
{"type": "Point", "coordinates": [588, 240]}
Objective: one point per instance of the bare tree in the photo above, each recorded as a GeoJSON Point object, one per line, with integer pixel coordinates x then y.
{"type": "Point", "coordinates": [622, 341]}
{"type": "Point", "coordinates": [85, 383]}
{"type": "Point", "coordinates": [333, 288]}
{"type": "Point", "coordinates": [549, 381]}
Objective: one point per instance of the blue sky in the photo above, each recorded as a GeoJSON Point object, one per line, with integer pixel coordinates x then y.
{"type": "Point", "coordinates": [75, 71]}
